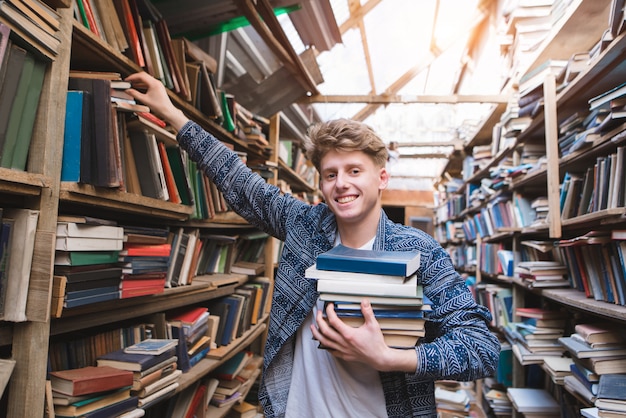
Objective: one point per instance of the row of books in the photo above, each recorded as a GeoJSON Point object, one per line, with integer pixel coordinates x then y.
{"type": "Point", "coordinates": [98, 260]}
{"type": "Point", "coordinates": [137, 29]}
{"type": "Point", "coordinates": [599, 187]}
{"type": "Point", "coordinates": [34, 24]}
{"type": "Point", "coordinates": [21, 82]}
{"type": "Point", "coordinates": [595, 264]}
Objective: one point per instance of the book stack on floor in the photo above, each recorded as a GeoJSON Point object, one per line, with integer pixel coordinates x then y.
{"type": "Point", "coordinates": [596, 350]}
{"type": "Point", "coordinates": [153, 368]}
{"type": "Point", "coordinates": [388, 279]}
{"type": "Point", "coordinates": [194, 328]}
{"type": "Point", "coordinates": [536, 336]}
{"type": "Point", "coordinates": [534, 402]}
{"type": "Point", "coordinates": [86, 252]}
{"type": "Point", "coordinates": [611, 401]}
{"type": "Point", "coordinates": [144, 260]}
{"type": "Point", "coordinates": [92, 392]}
{"type": "Point", "coordinates": [235, 378]}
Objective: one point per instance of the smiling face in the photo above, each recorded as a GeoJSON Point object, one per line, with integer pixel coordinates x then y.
{"type": "Point", "coordinates": [352, 186]}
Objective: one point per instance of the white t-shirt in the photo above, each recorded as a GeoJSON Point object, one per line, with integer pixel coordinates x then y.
{"type": "Point", "coordinates": [324, 386]}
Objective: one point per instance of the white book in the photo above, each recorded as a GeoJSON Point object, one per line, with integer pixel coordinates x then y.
{"type": "Point", "coordinates": [88, 244]}
{"type": "Point", "coordinates": [313, 273]}
{"type": "Point", "coordinates": [73, 229]}
{"type": "Point", "coordinates": [409, 288]}
{"type": "Point", "coordinates": [20, 258]}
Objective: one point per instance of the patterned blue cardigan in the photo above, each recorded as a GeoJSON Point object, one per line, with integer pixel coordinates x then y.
{"type": "Point", "coordinates": [458, 344]}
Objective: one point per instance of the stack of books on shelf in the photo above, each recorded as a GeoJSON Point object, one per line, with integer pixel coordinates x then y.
{"type": "Point", "coordinates": [85, 261]}
{"type": "Point", "coordinates": [542, 274]}
{"type": "Point", "coordinates": [388, 279]}
{"type": "Point", "coordinates": [600, 348]}
{"type": "Point", "coordinates": [536, 336]}
{"type": "Point", "coordinates": [455, 399]}
{"type": "Point", "coordinates": [495, 399]}
{"type": "Point", "coordinates": [92, 391]}
{"type": "Point", "coordinates": [154, 358]}
{"type": "Point", "coordinates": [557, 368]}
{"type": "Point", "coordinates": [611, 400]}
{"type": "Point", "coordinates": [144, 259]}
{"type": "Point", "coordinates": [235, 378]}
{"type": "Point", "coordinates": [195, 329]}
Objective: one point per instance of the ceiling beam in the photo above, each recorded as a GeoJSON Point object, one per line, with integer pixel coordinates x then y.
{"type": "Point", "coordinates": [385, 99]}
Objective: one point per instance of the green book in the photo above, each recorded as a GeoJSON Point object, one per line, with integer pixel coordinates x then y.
{"type": "Point", "coordinates": [16, 109]}
{"type": "Point", "coordinates": [27, 121]}
{"type": "Point", "coordinates": [85, 258]}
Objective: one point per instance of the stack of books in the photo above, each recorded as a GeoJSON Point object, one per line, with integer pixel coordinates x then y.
{"type": "Point", "coordinates": [235, 377]}
{"type": "Point", "coordinates": [86, 252]}
{"type": "Point", "coordinates": [153, 368]}
{"type": "Point", "coordinates": [388, 279]}
{"type": "Point", "coordinates": [536, 336]}
{"type": "Point", "coordinates": [611, 401]}
{"type": "Point", "coordinates": [144, 259]}
{"type": "Point", "coordinates": [534, 402]}
{"type": "Point", "coordinates": [100, 391]}
{"type": "Point", "coordinates": [600, 348]}
{"type": "Point", "coordinates": [542, 273]}
{"type": "Point", "coordinates": [193, 328]}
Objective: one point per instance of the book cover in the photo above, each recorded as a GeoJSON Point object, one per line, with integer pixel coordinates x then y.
{"type": "Point", "coordinates": [70, 163]}
{"type": "Point", "coordinates": [231, 367]}
{"type": "Point", "coordinates": [131, 361]}
{"type": "Point", "coordinates": [314, 273]}
{"type": "Point", "coordinates": [84, 258]}
{"type": "Point", "coordinates": [342, 258]}
{"type": "Point", "coordinates": [612, 386]}
{"type": "Point", "coordinates": [583, 351]}
{"type": "Point", "coordinates": [114, 410]}
{"type": "Point", "coordinates": [87, 230]}
{"type": "Point", "coordinates": [90, 379]}
{"type": "Point", "coordinates": [87, 273]}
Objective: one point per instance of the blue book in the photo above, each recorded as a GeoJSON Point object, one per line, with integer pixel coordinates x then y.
{"type": "Point", "coordinates": [120, 359]}
{"type": "Point", "coordinates": [87, 300]}
{"type": "Point", "coordinates": [342, 258]}
{"type": "Point", "coordinates": [232, 318]}
{"type": "Point", "coordinates": [70, 165]}
{"type": "Point", "coordinates": [78, 294]}
{"type": "Point", "coordinates": [112, 410]}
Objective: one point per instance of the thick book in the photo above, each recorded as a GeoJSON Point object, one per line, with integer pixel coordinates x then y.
{"type": "Point", "coordinates": [72, 136]}
{"type": "Point", "coordinates": [408, 289]}
{"type": "Point", "coordinates": [527, 400]}
{"type": "Point", "coordinates": [83, 407]}
{"type": "Point", "coordinates": [613, 387]}
{"type": "Point", "coordinates": [342, 258]}
{"type": "Point", "coordinates": [582, 350]}
{"type": "Point", "coordinates": [84, 258]}
{"type": "Point", "coordinates": [89, 273]}
{"type": "Point", "coordinates": [314, 273]}
{"type": "Point", "coordinates": [378, 300]}
{"type": "Point", "coordinates": [133, 362]}
{"type": "Point", "coordinates": [89, 379]}
{"type": "Point", "coordinates": [86, 230]}
{"type": "Point", "coordinates": [17, 157]}
{"type": "Point", "coordinates": [88, 244]}
{"type": "Point", "coordinates": [20, 249]}
{"type": "Point", "coordinates": [114, 410]}
{"type": "Point", "coordinates": [14, 63]}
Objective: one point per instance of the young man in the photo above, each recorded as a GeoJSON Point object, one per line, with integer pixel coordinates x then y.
{"type": "Point", "coordinates": [358, 375]}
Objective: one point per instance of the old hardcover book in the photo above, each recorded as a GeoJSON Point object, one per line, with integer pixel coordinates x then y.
{"type": "Point", "coordinates": [364, 287]}
{"type": "Point", "coordinates": [87, 230]}
{"type": "Point", "coordinates": [89, 379]}
{"type": "Point", "coordinates": [93, 404]}
{"type": "Point", "coordinates": [314, 273]}
{"type": "Point", "coordinates": [133, 362]}
{"type": "Point", "coordinates": [72, 136]}
{"type": "Point", "coordinates": [342, 258]}
{"type": "Point", "coordinates": [21, 245]}
{"type": "Point", "coordinates": [16, 56]}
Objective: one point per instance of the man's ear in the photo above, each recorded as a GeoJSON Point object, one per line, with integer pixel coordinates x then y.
{"type": "Point", "coordinates": [384, 178]}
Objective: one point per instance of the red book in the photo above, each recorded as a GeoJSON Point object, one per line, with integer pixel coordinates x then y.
{"type": "Point", "coordinates": [190, 316]}
{"type": "Point", "coordinates": [198, 396]}
{"type": "Point", "coordinates": [539, 313]}
{"type": "Point", "coordinates": [141, 291]}
{"type": "Point", "coordinates": [161, 250]}
{"type": "Point", "coordinates": [152, 118]}
{"type": "Point", "coordinates": [170, 182]}
{"type": "Point", "coordinates": [89, 379]}
{"type": "Point", "coordinates": [140, 283]}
